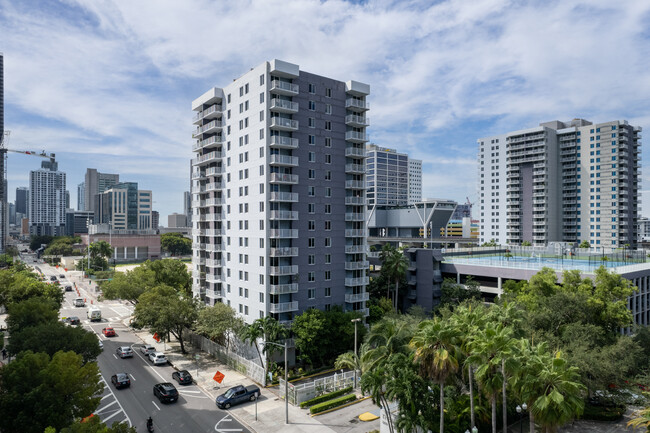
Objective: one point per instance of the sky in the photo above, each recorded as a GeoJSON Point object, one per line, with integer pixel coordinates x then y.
{"type": "Point", "coordinates": [109, 84]}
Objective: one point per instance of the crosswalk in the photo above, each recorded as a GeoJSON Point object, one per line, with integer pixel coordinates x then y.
{"type": "Point", "coordinates": [110, 410]}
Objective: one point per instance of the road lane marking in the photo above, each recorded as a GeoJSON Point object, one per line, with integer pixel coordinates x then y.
{"type": "Point", "coordinates": [153, 367]}
{"type": "Point", "coordinates": [105, 407]}
{"type": "Point", "coordinates": [115, 356]}
{"type": "Point", "coordinates": [106, 396]}
{"type": "Point", "coordinates": [118, 402]}
{"type": "Point", "coordinates": [132, 377]}
{"type": "Point", "coordinates": [107, 418]}
{"type": "Point", "coordinates": [154, 403]}
{"type": "Point", "coordinates": [193, 392]}
{"type": "Point", "coordinates": [223, 430]}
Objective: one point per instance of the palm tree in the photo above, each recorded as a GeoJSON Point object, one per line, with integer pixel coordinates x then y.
{"type": "Point", "coordinates": [373, 382]}
{"type": "Point", "coordinates": [468, 319]}
{"type": "Point", "coordinates": [488, 349]}
{"type": "Point", "coordinates": [389, 336]}
{"type": "Point", "coordinates": [267, 328]}
{"type": "Point", "coordinates": [250, 334]}
{"type": "Point", "coordinates": [435, 351]}
{"type": "Point", "coordinates": [395, 264]}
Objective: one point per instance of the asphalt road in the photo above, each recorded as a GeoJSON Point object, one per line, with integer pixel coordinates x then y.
{"type": "Point", "coordinates": [194, 411]}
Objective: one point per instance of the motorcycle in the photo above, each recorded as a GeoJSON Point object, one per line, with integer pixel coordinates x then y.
{"type": "Point", "coordinates": [150, 425]}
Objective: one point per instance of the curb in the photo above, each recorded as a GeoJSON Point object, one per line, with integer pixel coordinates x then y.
{"type": "Point", "coordinates": [359, 400]}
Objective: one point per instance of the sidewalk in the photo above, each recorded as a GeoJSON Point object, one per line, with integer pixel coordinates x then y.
{"type": "Point", "coordinates": [270, 408]}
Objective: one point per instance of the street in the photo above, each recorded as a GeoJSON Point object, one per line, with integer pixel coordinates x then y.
{"type": "Point", "coordinates": [195, 411]}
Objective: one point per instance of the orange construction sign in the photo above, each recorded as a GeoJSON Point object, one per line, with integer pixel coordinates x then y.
{"type": "Point", "coordinates": [219, 377]}
{"type": "Point", "coordinates": [156, 337]}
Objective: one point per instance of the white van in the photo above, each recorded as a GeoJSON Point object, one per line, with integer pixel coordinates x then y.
{"type": "Point", "coordinates": [79, 302]}
{"type": "Point", "coordinates": [95, 314]}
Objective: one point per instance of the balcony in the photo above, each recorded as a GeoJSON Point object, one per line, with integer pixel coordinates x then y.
{"type": "Point", "coordinates": [361, 281]}
{"type": "Point", "coordinates": [356, 266]}
{"type": "Point", "coordinates": [356, 249]}
{"type": "Point", "coordinates": [355, 152]}
{"type": "Point", "coordinates": [283, 252]}
{"type": "Point", "coordinates": [213, 263]}
{"type": "Point", "coordinates": [283, 88]}
{"type": "Point", "coordinates": [354, 216]}
{"type": "Point", "coordinates": [355, 201]}
{"type": "Point", "coordinates": [283, 124]}
{"type": "Point", "coordinates": [283, 289]}
{"type": "Point", "coordinates": [214, 248]}
{"type": "Point", "coordinates": [351, 298]}
{"type": "Point", "coordinates": [355, 168]}
{"type": "Point", "coordinates": [208, 113]}
{"type": "Point", "coordinates": [210, 141]}
{"type": "Point", "coordinates": [283, 106]}
{"type": "Point", "coordinates": [283, 215]}
{"type": "Point", "coordinates": [283, 307]}
{"type": "Point", "coordinates": [207, 158]}
{"type": "Point", "coordinates": [279, 142]}
{"type": "Point", "coordinates": [283, 270]}
{"type": "Point", "coordinates": [357, 121]}
{"type": "Point", "coordinates": [284, 178]}
{"type": "Point", "coordinates": [357, 105]}
{"type": "Point", "coordinates": [212, 293]}
{"type": "Point", "coordinates": [214, 278]}
{"type": "Point", "coordinates": [356, 136]}
{"type": "Point", "coordinates": [355, 184]}
{"type": "Point", "coordinates": [355, 233]}
{"type": "Point", "coordinates": [284, 160]}
{"type": "Point", "coordinates": [283, 196]}
{"type": "Point", "coordinates": [210, 127]}
{"type": "Point", "coordinates": [283, 233]}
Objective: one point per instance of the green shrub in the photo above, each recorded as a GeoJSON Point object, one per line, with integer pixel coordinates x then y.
{"type": "Point", "coordinates": [325, 397]}
{"type": "Point", "coordinates": [330, 404]}
{"type": "Point", "coordinates": [603, 413]}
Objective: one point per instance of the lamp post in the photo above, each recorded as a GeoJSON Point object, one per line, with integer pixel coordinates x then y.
{"type": "Point", "coordinates": [520, 410]}
{"type": "Point", "coordinates": [355, 321]}
{"type": "Point", "coordinates": [286, 381]}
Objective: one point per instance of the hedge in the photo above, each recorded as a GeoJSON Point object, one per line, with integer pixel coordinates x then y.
{"type": "Point", "coordinates": [325, 397]}
{"type": "Point", "coordinates": [601, 413]}
{"type": "Point", "coordinates": [330, 404]}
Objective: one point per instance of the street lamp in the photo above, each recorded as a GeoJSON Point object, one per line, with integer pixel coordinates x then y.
{"type": "Point", "coordinates": [520, 410]}
{"type": "Point", "coordinates": [286, 381]}
{"type": "Point", "coordinates": [355, 321]}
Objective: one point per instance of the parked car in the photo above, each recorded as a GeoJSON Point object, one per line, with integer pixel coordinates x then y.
{"type": "Point", "coordinates": [108, 332]}
{"type": "Point", "coordinates": [183, 377]}
{"type": "Point", "coordinates": [121, 380]}
{"type": "Point", "coordinates": [74, 320]}
{"type": "Point", "coordinates": [124, 352]}
{"type": "Point", "coordinates": [237, 394]}
{"type": "Point", "coordinates": [146, 349]}
{"type": "Point", "coordinates": [158, 358]}
{"type": "Point", "coordinates": [166, 392]}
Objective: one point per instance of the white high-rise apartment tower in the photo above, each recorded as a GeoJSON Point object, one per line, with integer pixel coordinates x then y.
{"type": "Point", "coordinates": [561, 181]}
{"type": "Point", "coordinates": [278, 193]}
{"type": "Point", "coordinates": [47, 200]}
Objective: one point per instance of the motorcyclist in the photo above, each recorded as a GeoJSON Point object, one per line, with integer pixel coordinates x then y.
{"type": "Point", "coordinates": [150, 424]}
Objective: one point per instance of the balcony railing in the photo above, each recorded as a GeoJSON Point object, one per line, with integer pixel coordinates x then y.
{"type": "Point", "coordinates": [355, 152]}
{"type": "Point", "coordinates": [283, 196]}
{"type": "Point", "coordinates": [283, 178]}
{"type": "Point", "coordinates": [284, 160]}
{"type": "Point", "coordinates": [355, 168]}
{"type": "Point", "coordinates": [355, 184]}
{"type": "Point", "coordinates": [356, 104]}
{"type": "Point", "coordinates": [212, 109]}
{"type": "Point", "coordinates": [354, 216]}
{"type": "Point", "coordinates": [283, 215]}
{"type": "Point", "coordinates": [284, 88]}
{"type": "Point", "coordinates": [283, 307]}
{"type": "Point", "coordinates": [284, 124]}
{"type": "Point", "coordinates": [355, 200]}
{"type": "Point", "coordinates": [354, 266]}
{"type": "Point", "coordinates": [356, 249]}
{"type": "Point", "coordinates": [283, 252]}
{"type": "Point", "coordinates": [284, 142]}
{"type": "Point", "coordinates": [283, 289]}
{"type": "Point", "coordinates": [283, 270]}
{"type": "Point", "coordinates": [357, 121]}
{"type": "Point", "coordinates": [356, 136]}
{"type": "Point", "coordinates": [208, 157]}
{"type": "Point", "coordinates": [356, 297]}
{"type": "Point", "coordinates": [283, 233]}
{"type": "Point", "coordinates": [357, 281]}
{"type": "Point", "coordinates": [284, 106]}
{"type": "Point", "coordinates": [354, 233]}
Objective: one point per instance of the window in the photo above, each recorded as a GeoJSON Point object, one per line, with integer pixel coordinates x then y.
{"type": "Point", "coordinates": [312, 88]}
{"type": "Point", "coordinates": [328, 158]}
{"type": "Point", "coordinates": [328, 142]}
{"type": "Point", "coordinates": [312, 242]}
{"type": "Point", "coordinates": [311, 191]}
{"type": "Point", "coordinates": [328, 259]}
{"type": "Point", "coordinates": [328, 175]}
{"type": "Point", "coordinates": [311, 276]}
{"type": "Point", "coordinates": [311, 207]}
{"type": "Point", "coordinates": [311, 293]}
{"type": "Point", "coordinates": [262, 98]}
{"type": "Point", "coordinates": [261, 297]}
{"type": "Point", "coordinates": [328, 109]}
{"type": "Point", "coordinates": [312, 139]}
{"type": "Point", "coordinates": [312, 105]}
{"type": "Point", "coordinates": [228, 99]}
{"type": "Point", "coordinates": [328, 92]}
{"type": "Point", "coordinates": [312, 225]}
{"type": "Point", "coordinates": [328, 192]}
{"type": "Point", "coordinates": [328, 275]}
{"type": "Point", "coordinates": [328, 292]}
{"type": "Point", "coordinates": [328, 225]}
{"type": "Point", "coordinates": [312, 122]}
{"type": "Point", "coordinates": [312, 156]}
{"type": "Point", "coordinates": [328, 208]}
{"type": "Point", "coordinates": [328, 242]}
{"type": "Point", "coordinates": [261, 84]}
{"type": "Point", "coordinates": [241, 91]}
{"type": "Point", "coordinates": [245, 105]}
{"type": "Point", "coordinates": [312, 259]}
{"type": "Point", "coordinates": [246, 88]}
{"type": "Point", "coordinates": [328, 125]}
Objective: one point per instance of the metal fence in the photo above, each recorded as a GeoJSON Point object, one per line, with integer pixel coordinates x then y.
{"type": "Point", "coordinates": [247, 367]}
{"type": "Point", "coordinates": [308, 390]}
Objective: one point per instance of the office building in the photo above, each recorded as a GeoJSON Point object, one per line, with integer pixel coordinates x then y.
{"type": "Point", "coordinates": [12, 213]}
{"type": "Point", "coordinates": [124, 207]}
{"type": "Point", "coordinates": [155, 220]}
{"type": "Point", "coordinates": [279, 193]}
{"type": "Point", "coordinates": [561, 181]}
{"type": "Point", "coordinates": [97, 183]}
{"type": "Point", "coordinates": [22, 202]}
{"type": "Point", "coordinates": [77, 221]}
{"type": "Point", "coordinates": [392, 178]}
{"type": "Point", "coordinates": [81, 196]}
{"type": "Point", "coordinates": [176, 220]}
{"type": "Point", "coordinates": [47, 195]}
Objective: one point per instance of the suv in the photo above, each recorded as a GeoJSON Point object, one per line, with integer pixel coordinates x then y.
{"type": "Point", "coordinates": [166, 392]}
{"type": "Point", "coordinates": [158, 358]}
{"type": "Point", "coordinates": [124, 352]}
{"type": "Point", "coordinates": [121, 380]}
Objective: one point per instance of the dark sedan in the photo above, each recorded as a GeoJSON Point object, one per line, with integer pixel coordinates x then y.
{"type": "Point", "coordinates": [166, 392]}
{"type": "Point", "coordinates": [183, 377]}
{"type": "Point", "coordinates": [121, 380]}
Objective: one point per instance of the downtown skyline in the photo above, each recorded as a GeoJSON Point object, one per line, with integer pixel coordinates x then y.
{"type": "Point", "coordinates": [109, 85]}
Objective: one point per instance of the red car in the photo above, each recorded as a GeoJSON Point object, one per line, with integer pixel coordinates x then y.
{"type": "Point", "coordinates": [108, 332]}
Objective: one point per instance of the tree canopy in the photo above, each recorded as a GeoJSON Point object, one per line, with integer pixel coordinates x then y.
{"type": "Point", "coordinates": [176, 244]}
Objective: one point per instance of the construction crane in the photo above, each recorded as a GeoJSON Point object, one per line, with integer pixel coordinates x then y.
{"type": "Point", "coordinates": [4, 207]}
